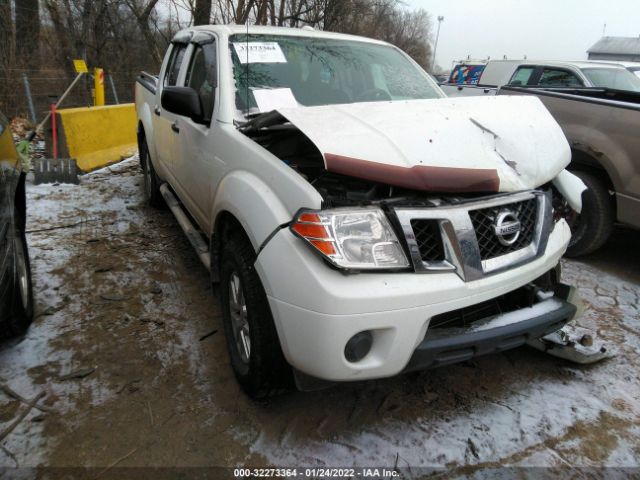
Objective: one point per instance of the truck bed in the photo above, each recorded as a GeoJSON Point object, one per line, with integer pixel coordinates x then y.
{"type": "Point", "coordinates": [601, 125]}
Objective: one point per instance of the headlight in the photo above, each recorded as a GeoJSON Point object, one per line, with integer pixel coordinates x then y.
{"type": "Point", "coordinates": [360, 239]}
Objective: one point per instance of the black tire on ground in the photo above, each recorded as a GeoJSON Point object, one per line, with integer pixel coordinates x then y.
{"type": "Point", "coordinates": [16, 294]}
{"type": "Point", "coordinates": [151, 181]}
{"type": "Point", "coordinates": [243, 299]}
{"type": "Point", "coordinates": [594, 224]}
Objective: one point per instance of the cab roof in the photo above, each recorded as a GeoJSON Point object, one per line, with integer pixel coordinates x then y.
{"type": "Point", "coordinates": [228, 30]}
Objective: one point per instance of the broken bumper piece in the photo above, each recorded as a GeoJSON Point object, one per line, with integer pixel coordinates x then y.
{"type": "Point", "coordinates": [444, 346]}
{"type": "Point", "coordinates": [573, 343]}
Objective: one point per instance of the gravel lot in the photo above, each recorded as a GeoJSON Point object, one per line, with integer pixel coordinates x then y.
{"type": "Point", "coordinates": [129, 350]}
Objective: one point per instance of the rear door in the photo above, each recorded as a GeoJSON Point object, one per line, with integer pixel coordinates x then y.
{"type": "Point", "coordinates": [164, 122]}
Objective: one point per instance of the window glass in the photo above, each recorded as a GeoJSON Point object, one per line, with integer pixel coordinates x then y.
{"type": "Point", "coordinates": [175, 62]}
{"type": "Point", "coordinates": [616, 78]}
{"type": "Point", "coordinates": [202, 76]}
{"type": "Point", "coordinates": [522, 76]}
{"type": "Point", "coordinates": [552, 77]}
{"type": "Point", "coordinates": [326, 71]}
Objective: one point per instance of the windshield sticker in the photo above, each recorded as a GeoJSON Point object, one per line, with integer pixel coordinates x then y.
{"type": "Point", "coordinates": [259, 52]}
{"type": "Point", "coordinates": [269, 99]}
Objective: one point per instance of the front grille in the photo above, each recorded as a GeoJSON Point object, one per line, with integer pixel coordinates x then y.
{"type": "Point", "coordinates": [484, 220]}
{"type": "Point", "coordinates": [429, 240]}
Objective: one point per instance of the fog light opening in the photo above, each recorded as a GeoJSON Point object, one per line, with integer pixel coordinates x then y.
{"type": "Point", "coordinates": [358, 346]}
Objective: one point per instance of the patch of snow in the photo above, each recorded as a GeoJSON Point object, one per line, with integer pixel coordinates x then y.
{"type": "Point", "coordinates": [521, 315]}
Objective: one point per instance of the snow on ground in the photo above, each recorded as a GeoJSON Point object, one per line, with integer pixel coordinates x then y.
{"type": "Point", "coordinates": [122, 298]}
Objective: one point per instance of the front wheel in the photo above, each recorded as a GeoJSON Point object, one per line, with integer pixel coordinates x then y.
{"type": "Point", "coordinates": [253, 344]}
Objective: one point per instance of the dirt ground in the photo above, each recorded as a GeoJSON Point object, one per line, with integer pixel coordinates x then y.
{"type": "Point", "coordinates": [128, 348]}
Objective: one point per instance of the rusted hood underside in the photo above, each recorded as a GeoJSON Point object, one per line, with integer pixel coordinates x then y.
{"type": "Point", "coordinates": [475, 144]}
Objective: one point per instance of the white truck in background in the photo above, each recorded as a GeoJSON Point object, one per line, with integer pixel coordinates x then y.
{"type": "Point", "coordinates": [359, 224]}
{"type": "Point", "coordinates": [547, 74]}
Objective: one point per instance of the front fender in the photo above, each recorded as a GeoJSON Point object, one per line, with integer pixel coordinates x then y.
{"type": "Point", "coordinates": [571, 188]}
{"type": "Point", "coordinates": [253, 203]}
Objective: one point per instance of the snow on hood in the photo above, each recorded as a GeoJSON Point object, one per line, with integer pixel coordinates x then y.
{"type": "Point", "coordinates": [472, 144]}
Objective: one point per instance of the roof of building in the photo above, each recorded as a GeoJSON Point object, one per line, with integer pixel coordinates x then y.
{"type": "Point", "coordinates": [619, 45]}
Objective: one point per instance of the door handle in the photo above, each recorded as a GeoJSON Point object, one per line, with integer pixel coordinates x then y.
{"type": "Point", "coordinates": [157, 110]}
{"type": "Point", "coordinates": [174, 127]}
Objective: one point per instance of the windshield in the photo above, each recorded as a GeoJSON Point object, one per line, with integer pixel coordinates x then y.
{"type": "Point", "coordinates": [289, 71]}
{"type": "Point", "coordinates": [616, 78]}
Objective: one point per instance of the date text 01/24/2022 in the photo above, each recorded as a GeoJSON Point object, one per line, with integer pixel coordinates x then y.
{"type": "Point", "coordinates": [315, 472]}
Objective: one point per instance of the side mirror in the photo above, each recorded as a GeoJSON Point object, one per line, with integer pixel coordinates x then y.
{"type": "Point", "coordinates": [182, 101]}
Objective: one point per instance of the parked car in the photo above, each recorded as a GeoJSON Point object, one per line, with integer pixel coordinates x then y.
{"type": "Point", "coordinates": [16, 296]}
{"type": "Point", "coordinates": [602, 127]}
{"type": "Point", "coordinates": [548, 74]}
{"type": "Point", "coordinates": [633, 67]}
{"type": "Point", "coordinates": [359, 224]}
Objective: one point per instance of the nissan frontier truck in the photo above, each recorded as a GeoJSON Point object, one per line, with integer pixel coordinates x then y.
{"type": "Point", "coordinates": [357, 223]}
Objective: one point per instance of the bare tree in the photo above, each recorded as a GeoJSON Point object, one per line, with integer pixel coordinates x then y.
{"type": "Point", "coordinates": [28, 31]}
{"type": "Point", "coordinates": [142, 10]}
{"type": "Point", "coordinates": [6, 31]}
{"type": "Point", "coordinates": [202, 12]}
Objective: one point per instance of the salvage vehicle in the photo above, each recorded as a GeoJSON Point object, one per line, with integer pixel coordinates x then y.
{"type": "Point", "coordinates": [601, 126]}
{"type": "Point", "coordinates": [547, 74]}
{"type": "Point", "coordinates": [16, 295]}
{"type": "Point", "coordinates": [357, 223]}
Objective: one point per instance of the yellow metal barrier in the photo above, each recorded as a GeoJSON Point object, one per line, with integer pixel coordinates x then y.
{"type": "Point", "coordinates": [97, 136]}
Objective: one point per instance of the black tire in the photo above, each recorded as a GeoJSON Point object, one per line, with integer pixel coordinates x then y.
{"type": "Point", "coordinates": [593, 226]}
{"type": "Point", "coordinates": [16, 294]}
{"type": "Point", "coordinates": [265, 371]}
{"type": "Point", "coordinates": [152, 193]}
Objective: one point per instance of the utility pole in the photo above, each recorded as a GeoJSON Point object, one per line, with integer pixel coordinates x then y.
{"type": "Point", "coordinates": [435, 45]}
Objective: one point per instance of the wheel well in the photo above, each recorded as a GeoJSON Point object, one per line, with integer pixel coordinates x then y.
{"type": "Point", "coordinates": [583, 162]}
{"type": "Point", "coordinates": [226, 224]}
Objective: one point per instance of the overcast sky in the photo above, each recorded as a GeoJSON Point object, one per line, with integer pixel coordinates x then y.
{"type": "Point", "coordinates": [539, 29]}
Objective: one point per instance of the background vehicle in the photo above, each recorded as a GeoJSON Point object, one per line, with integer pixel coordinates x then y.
{"type": "Point", "coordinates": [343, 253]}
{"type": "Point", "coordinates": [466, 73]}
{"type": "Point", "coordinates": [548, 74]}
{"type": "Point", "coordinates": [633, 67]}
{"type": "Point", "coordinates": [602, 127]}
{"type": "Point", "coordinates": [16, 296]}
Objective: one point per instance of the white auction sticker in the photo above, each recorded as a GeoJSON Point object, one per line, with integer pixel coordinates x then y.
{"type": "Point", "coordinates": [259, 52]}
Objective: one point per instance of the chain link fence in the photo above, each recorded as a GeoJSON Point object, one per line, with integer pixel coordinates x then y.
{"type": "Point", "coordinates": [29, 93]}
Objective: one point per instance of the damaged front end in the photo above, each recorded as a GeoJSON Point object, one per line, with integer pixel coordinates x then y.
{"type": "Point", "coordinates": [465, 186]}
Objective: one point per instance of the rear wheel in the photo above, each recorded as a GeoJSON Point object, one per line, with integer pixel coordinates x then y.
{"type": "Point", "coordinates": [253, 344]}
{"type": "Point", "coordinates": [593, 226]}
{"type": "Point", "coordinates": [152, 193]}
{"type": "Point", "coordinates": [17, 305]}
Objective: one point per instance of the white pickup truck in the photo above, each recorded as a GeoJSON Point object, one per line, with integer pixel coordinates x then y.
{"type": "Point", "coordinates": [359, 223]}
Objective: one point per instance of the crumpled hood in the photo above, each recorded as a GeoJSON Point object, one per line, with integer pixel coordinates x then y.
{"type": "Point", "coordinates": [472, 144]}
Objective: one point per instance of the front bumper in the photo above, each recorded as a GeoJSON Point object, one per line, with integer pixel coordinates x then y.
{"type": "Point", "coordinates": [317, 309]}
{"type": "Point", "coordinates": [452, 345]}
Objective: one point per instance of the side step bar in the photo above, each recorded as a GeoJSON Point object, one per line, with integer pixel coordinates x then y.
{"type": "Point", "coordinates": [202, 249]}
